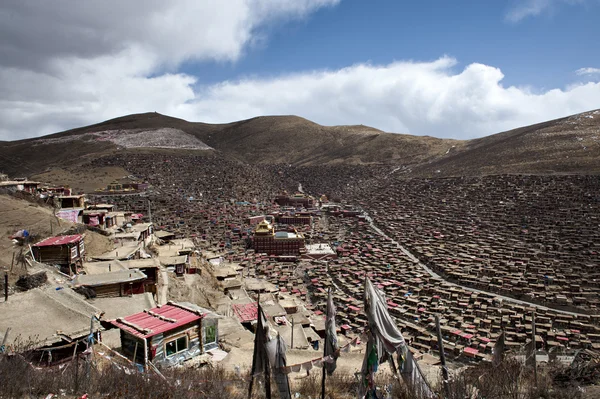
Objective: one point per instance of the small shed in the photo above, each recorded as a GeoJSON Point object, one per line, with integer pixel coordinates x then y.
{"type": "Point", "coordinates": [169, 334]}
{"type": "Point", "coordinates": [66, 251]}
{"type": "Point", "coordinates": [164, 235]}
{"type": "Point", "coordinates": [176, 263]}
{"type": "Point", "coordinates": [113, 284]}
{"type": "Point", "coordinates": [53, 322]}
{"type": "Point", "coordinates": [70, 201]}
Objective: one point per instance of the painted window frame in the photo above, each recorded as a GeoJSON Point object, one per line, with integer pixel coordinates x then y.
{"type": "Point", "coordinates": [177, 350]}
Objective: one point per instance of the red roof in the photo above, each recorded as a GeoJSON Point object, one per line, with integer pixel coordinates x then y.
{"type": "Point", "coordinates": [245, 312]}
{"type": "Point", "coordinates": [60, 240]}
{"type": "Point", "coordinates": [174, 317]}
{"type": "Point", "coordinates": [472, 351]}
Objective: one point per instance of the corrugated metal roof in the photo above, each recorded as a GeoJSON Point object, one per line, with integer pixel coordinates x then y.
{"type": "Point", "coordinates": [245, 312]}
{"type": "Point", "coordinates": [60, 240]}
{"type": "Point", "coordinates": [157, 320]}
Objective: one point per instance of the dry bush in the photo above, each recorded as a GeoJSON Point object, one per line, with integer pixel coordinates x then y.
{"type": "Point", "coordinates": [510, 379]}
{"type": "Point", "coordinates": [21, 379]}
{"type": "Point", "coordinates": [116, 379]}
{"type": "Point", "coordinates": [30, 281]}
{"type": "Point", "coordinates": [336, 386]}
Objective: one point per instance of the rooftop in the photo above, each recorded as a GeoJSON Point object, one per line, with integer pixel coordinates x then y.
{"type": "Point", "coordinates": [245, 312]}
{"type": "Point", "coordinates": [319, 249]}
{"type": "Point", "coordinates": [123, 252]}
{"type": "Point", "coordinates": [157, 320]}
{"type": "Point", "coordinates": [59, 240]}
{"type": "Point", "coordinates": [45, 315]}
{"type": "Point", "coordinates": [120, 276]}
{"type": "Point", "coordinates": [173, 260]}
{"type": "Point", "coordinates": [16, 182]}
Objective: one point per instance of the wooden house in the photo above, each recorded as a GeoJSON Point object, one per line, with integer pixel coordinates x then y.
{"type": "Point", "coordinates": [54, 322]}
{"type": "Point", "coordinates": [147, 266]}
{"type": "Point", "coordinates": [168, 335]}
{"type": "Point", "coordinates": [66, 251]}
{"type": "Point", "coordinates": [70, 201]}
{"type": "Point", "coordinates": [11, 186]}
{"type": "Point", "coordinates": [113, 284]}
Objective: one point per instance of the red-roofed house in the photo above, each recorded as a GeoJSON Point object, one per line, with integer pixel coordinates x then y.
{"type": "Point", "coordinates": [66, 251]}
{"type": "Point", "coordinates": [470, 352]}
{"type": "Point", "coordinates": [167, 335]}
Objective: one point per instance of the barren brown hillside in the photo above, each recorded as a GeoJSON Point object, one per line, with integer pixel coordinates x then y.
{"type": "Point", "coordinates": [297, 141]}
{"type": "Point", "coordinates": [567, 145]}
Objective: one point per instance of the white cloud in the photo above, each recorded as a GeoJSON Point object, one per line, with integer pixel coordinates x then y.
{"type": "Point", "coordinates": [32, 32]}
{"type": "Point", "coordinates": [532, 8]}
{"type": "Point", "coordinates": [94, 76]}
{"type": "Point", "coordinates": [588, 71]}
{"type": "Point", "coordinates": [72, 62]}
{"type": "Point", "coordinates": [426, 98]}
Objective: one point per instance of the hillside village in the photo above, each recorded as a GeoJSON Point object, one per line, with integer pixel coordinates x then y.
{"type": "Point", "coordinates": [166, 257]}
{"type": "Point", "coordinates": [187, 259]}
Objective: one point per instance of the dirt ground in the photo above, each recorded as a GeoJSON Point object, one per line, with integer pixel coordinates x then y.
{"type": "Point", "coordinates": [17, 214]}
{"type": "Point", "coordinates": [82, 180]}
{"type": "Point", "coordinates": [194, 288]}
{"type": "Point", "coordinates": [40, 222]}
{"type": "Point", "coordinates": [96, 244]}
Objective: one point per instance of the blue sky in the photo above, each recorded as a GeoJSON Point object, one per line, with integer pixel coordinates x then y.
{"type": "Point", "coordinates": [458, 69]}
{"type": "Point", "coordinates": [541, 50]}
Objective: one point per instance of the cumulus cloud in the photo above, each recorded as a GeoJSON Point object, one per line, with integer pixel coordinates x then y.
{"type": "Point", "coordinates": [424, 98]}
{"type": "Point", "coordinates": [63, 63]}
{"type": "Point", "coordinates": [531, 8]}
{"type": "Point", "coordinates": [588, 71]}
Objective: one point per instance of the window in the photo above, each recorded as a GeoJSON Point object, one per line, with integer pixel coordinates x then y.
{"type": "Point", "coordinates": [209, 332]}
{"type": "Point", "coordinates": [176, 346]}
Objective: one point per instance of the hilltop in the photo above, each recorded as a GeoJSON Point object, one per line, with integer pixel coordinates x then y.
{"type": "Point", "coordinates": [566, 145]}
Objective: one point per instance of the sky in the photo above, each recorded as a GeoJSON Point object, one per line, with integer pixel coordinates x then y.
{"type": "Point", "coordinates": [453, 69]}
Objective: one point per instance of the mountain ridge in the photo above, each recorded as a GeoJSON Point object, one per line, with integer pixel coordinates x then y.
{"type": "Point", "coordinates": [569, 144]}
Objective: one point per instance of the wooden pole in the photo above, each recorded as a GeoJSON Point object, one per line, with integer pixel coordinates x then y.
{"type": "Point", "coordinates": [292, 344]}
{"type": "Point", "coordinates": [442, 356]}
{"type": "Point", "coordinates": [267, 377]}
{"type": "Point", "coordinates": [534, 346]}
{"type": "Point", "coordinates": [76, 370]}
{"type": "Point", "coordinates": [5, 287]}
{"type": "Point", "coordinates": [255, 352]}
{"type": "Point", "coordinates": [325, 345]}
{"type": "Point", "coordinates": [145, 354]}
{"type": "Point", "coordinates": [90, 342]}
{"type": "Point", "coordinates": [135, 350]}
{"type": "Point", "coordinates": [5, 339]}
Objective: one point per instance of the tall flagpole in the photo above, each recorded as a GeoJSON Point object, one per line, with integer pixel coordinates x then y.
{"type": "Point", "coordinates": [255, 353]}
{"type": "Point", "coordinates": [325, 345]}
{"type": "Point", "coordinates": [534, 345]}
{"type": "Point", "coordinates": [442, 356]}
